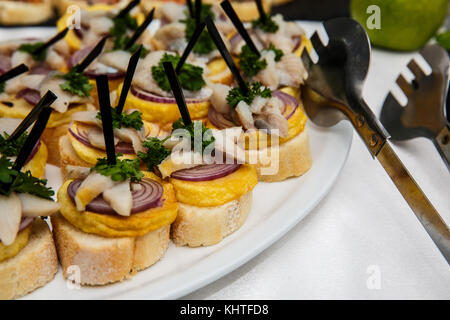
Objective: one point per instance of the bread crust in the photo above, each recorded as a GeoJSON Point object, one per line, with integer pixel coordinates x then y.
{"type": "Point", "coordinates": [205, 226]}
{"type": "Point", "coordinates": [22, 13]}
{"type": "Point", "coordinates": [294, 159]}
{"type": "Point", "coordinates": [103, 260]}
{"type": "Point", "coordinates": [34, 266]}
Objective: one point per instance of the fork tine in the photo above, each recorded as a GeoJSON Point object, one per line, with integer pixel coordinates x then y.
{"type": "Point", "coordinates": [406, 87]}
{"type": "Point", "coordinates": [416, 70]}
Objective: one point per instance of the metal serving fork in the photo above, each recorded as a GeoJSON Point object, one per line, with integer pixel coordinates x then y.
{"type": "Point", "coordinates": [333, 92]}
{"type": "Point", "coordinates": [424, 115]}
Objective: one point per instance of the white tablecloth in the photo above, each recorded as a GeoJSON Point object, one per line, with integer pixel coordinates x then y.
{"type": "Point", "coordinates": [362, 241]}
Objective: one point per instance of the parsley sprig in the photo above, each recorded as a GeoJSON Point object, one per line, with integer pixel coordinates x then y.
{"type": "Point", "coordinates": [278, 53]}
{"type": "Point", "coordinates": [121, 171]}
{"type": "Point", "coordinates": [205, 43]}
{"type": "Point", "coordinates": [31, 49]}
{"type": "Point", "coordinates": [206, 135]}
{"type": "Point", "coordinates": [155, 154]}
{"type": "Point", "coordinates": [235, 95]}
{"type": "Point", "coordinates": [119, 120]}
{"type": "Point", "coordinates": [190, 76]}
{"type": "Point", "coordinates": [76, 83]}
{"type": "Point", "coordinates": [266, 25]}
{"type": "Point", "coordinates": [250, 63]}
{"type": "Point", "coordinates": [22, 182]}
{"type": "Point", "coordinates": [119, 33]}
{"type": "Point", "coordinates": [11, 148]}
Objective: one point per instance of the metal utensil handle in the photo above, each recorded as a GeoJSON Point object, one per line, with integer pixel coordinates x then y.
{"type": "Point", "coordinates": [416, 199]}
{"type": "Point", "coordinates": [442, 143]}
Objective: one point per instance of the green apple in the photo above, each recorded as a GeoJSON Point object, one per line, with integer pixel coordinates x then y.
{"type": "Point", "coordinates": [404, 25]}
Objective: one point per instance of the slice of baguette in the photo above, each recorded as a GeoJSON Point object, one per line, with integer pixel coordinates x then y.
{"type": "Point", "coordinates": [34, 266]}
{"type": "Point", "coordinates": [22, 12]}
{"type": "Point", "coordinates": [205, 226]}
{"type": "Point", "coordinates": [101, 260]}
{"type": "Point", "coordinates": [294, 159]}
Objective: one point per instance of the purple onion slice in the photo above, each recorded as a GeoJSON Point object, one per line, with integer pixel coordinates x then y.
{"type": "Point", "coordinates": [205, 172]}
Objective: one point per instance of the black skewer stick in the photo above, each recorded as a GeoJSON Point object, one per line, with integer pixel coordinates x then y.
{"type": "Point", "coordinates": [46, 101]}
{"type": "Point", "coordinates": [190, 8]}
{"type": "Point", "coordinates": [91, 56]}
{"type": "Point", "coordinates": [105, 112]}
{"type": "Point", "coordinates": [52, 41]}
{"type": "Point", "coordinates": [262, 14]}
{"type": "Point", "coordinates": [140, 30]}
{"type": "Point", "coordinates": [128, 8]}
{"type": "Point", "coordinates": [225, 54]}
{"type": "Point", "coordinates": [198, 11]}
{"type": "Point", "coordinates": [198, 31]}
{"type": "Point", "coordinates": [34, 136]}
{"type": "Point", "coordinates": [14, 72]}
{"type": "Point", "coordinates": [128, 78]}
{"type": "Point", "coordinates": [177, 92]}
{"type": "Point", "coordinates": [226, 6]}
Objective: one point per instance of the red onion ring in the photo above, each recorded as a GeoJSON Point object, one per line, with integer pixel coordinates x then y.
{"type": "Point", "coordinates": [287, 100]}
{"type": "Point", "coordinates": [5, 63]}
{"type": "Point", "coordinates": [78, 56]}
{"type": "Point", "coordinates": [121, 147]}
{"type": "Point", "coordinates": [34, 151]}
{"type": "Point", "coordinates": [147, 197]}
{"type": "Point", "coordinates": [219, 120]}
{"type": "Point", "coordinates": [30, 95]}
{"type": "Point", "coordinates": [25, 222]}
{"type": "Point", "coordinates": [43, 70]}
{"type": "Point", "coordinates": [92, 74]}
{"type": "Point", "coordinates": [148, 96]}
{"type": "Point", "coordinates": [205, 172]}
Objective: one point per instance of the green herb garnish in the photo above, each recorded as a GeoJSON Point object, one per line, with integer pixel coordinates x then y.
{"type": "Point", "coordinates": [444, 40]}
{"type": "Point", "coordinates": [121, 42]}
{"type": "Point", "coordinates": [11, 148]}
{"type": "Point", "coordinates": [205, 43]}
{"type": "Point", "coordinates": [278, 53]}
{"type": "Point", "coordinates": [31, 49]}
{"type": "Point", "coordinates": [119, 120]}
{"type": "Point", "coordinates": [76, 83]}
{"type": "Point", "coordinates": [266, 25]}
{"type": "Point", "coordinates": [22, 182]}
{"type": "Point", "coordinates": [121, 171]}
{"type": "Point", "coordinates": [155, 154]}
{"type": "Point", "coordinates": [2, 87]}
{"type": "Point", "coordinates": [190, 76]}
{"type": "Point", "coordinates": [206, 134]}
{"type": "Point", "coordinates": [120, 38]}
{"type": "Point", "coordinates": [235, 95]}
{"type": "Point", "coordinates": [250, 63]}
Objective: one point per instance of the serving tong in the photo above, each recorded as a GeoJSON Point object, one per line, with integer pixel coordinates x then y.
{"type": "Point", "coordinates": [424, 114]}
{"type": "Point", "coordinates": [333, 92]}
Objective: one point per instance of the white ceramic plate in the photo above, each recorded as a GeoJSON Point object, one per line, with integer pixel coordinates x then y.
{"type": "Point", "coordinates": [277, 207]}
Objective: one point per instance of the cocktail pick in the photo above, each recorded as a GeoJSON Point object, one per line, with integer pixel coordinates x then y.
{"type": "Point", "coordinates": [128, 78]}
{"type": "Point", "coordinates": [190, 8]}
{"type": "Point", "coordinates": [51, 41]}
{"type": "Point", "coordinates": [35, 133]}
{"type": "Point", "coordinates": [46, 101]}
{"type": "Point", "coordinates": [198, 31]}
{"type": "Point", "coordinates": [140, 30]}
{"type": "Point", "coordinates": [91, 56]}
{"type": "Point", "coordinates": [128, 8]}
{"type": "Point", "coordinates": [262, 14]}
{"type": "Point", "coordinates": [14, 72]}
{"type": "Point", "coordinates": [198, 11]}
{"type": "Point", "coordinates": [105, 112]}
{"type": "Point", "coordinates": [226, 6]}
{"type": "Point", "coordinates": [177, 92]}
{"type": "Point", "coordinates": [225, 54]}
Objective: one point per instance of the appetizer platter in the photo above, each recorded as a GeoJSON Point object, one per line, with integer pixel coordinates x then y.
{"type": "Point", "coordinates": [166, 146]}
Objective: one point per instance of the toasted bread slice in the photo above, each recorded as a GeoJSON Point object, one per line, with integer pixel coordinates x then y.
{"type": "Point", "coordinates": [15, 12]}
{"type": "Point", "coordinates": [101, 260]}
{"type": "Point", "coordinates": [205, 226]}
{"type": "Point", "coordinates": [34, 266]}
{"type": "Point", "coordinates": [294, 159]}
